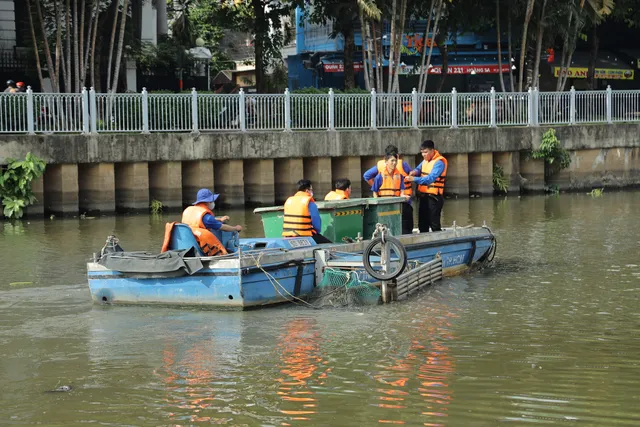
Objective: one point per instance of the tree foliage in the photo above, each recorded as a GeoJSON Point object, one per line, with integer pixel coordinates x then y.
{"type": "Point", "coordinates": [15, 184]}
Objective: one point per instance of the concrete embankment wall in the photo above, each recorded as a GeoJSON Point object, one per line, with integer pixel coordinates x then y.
{"type": "Point", "coordinates": [109, 173]}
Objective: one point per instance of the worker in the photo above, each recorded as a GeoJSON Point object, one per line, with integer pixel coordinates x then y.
{"type": "Point", "coordinates": [201, 219]}
{"type": "Point", "coordinates": [433, 173]}
{"type": "Point", "coordinates": [342, 190]}
{"type": "Point", "coordinates": [301, 216]}
{"type": "Point", "coordinates": [404, 169]}
{"type": "Point", "coordinates": [389, 183]}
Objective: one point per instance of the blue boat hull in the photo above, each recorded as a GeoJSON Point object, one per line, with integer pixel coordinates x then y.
{"type": "Point", "coordinates": [258, 278]}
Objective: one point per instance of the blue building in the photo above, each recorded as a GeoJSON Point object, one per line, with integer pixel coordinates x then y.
{"type": "Point", "coordinates": [319, 58]}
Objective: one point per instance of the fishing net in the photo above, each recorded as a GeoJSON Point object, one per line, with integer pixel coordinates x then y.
{"type": "Point", "coordinates": [340, 288]}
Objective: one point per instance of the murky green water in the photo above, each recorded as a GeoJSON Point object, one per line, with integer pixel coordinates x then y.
{"type": "Point", "coordinates": [550, 334]}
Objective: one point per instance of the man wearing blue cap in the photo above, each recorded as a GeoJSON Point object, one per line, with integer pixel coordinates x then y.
{"type": "Point", "coordinates": [200, 214]}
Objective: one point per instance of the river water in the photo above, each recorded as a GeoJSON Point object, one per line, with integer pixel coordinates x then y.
{"type": "Point", "coordinates": [549, 334]}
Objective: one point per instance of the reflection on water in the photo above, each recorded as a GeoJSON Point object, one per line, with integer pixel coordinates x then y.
{"type": "Point", "coordinates": [548, 335]}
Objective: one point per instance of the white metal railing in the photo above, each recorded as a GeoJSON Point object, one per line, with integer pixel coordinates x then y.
{"type": "Point", "coordinates": [90, 113]}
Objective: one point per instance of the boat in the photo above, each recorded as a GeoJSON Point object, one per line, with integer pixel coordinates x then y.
{"type": "Point", "coordinates": [259, 272]}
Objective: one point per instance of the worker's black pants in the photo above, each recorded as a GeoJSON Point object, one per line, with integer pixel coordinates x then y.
{"type": "Point", "coordinates": [429, 213]}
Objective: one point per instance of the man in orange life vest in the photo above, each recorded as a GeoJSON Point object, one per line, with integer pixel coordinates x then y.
{"type": "Point", "coordinates": [200, 218]}
{"type": "Point", "coordinates": [301, 216]}
{"type": "Point", "coordinates": [433, 172]}
{"type": "Point", "coordinates": [342, 190]}
{"type": "Point", "coordinates": [389, 182]}
{"type": "Point", "coordinates": [404, 169]}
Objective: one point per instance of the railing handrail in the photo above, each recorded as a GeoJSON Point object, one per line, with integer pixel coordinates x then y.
{"type": "Point", "coordinates": [90, 112]}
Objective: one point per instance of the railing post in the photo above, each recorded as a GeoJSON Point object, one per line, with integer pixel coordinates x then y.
{"type": "Point", "coordinates": [287, 110]}
{"type": "Point", "coordinates": [530, 116]}
{"type": "Point", "coordinates": [332, 109]}
{"type": "Point", "coordinates": [85, 111]}
{"type": "Point", "coordinates": [93, 111]}
{"type": "Point", "coordinates": [414, 108]}
{"type": "Point", "coordinates": [243, 121]}
{"type": "Point", "coordinates": [31, 128]}
{"type": "Point", "coordinates": [145, 111]}
{"type": "Point", "coordinates": [373, 110]}
{"type": "Point", "coordinates": [493, 107]}
{"type": "Point", "coordinates": [609, 105]}
{"type": "Point", "coordinates": [454, 109]}
{"type": "Point", "coordinates": [572, 106]}
{"type": "Point", "coordinates": [194, 111]}
{"type": "Point", "coordinates": [536, 107]}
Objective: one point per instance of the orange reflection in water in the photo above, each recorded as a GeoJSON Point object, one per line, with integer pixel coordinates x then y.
{"type": "Point", "coordinates": [424, 371]}
{"type": "Point", "coordinates": [188, 382]}
{"type": "Point", "coordinates": [300, 364]}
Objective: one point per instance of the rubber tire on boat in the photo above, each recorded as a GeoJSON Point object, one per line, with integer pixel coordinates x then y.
{"type": "Point", "coordinates": [378, 274]}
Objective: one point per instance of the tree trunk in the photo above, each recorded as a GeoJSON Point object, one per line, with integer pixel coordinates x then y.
{"type": "Point", "coordinates": [59, 54]}
{"type": "Point", "coordinates": [261, 32]}
{"type": "Point", "coordinates": [502, 86]}
{"type": "Point", "coordinates": [81, 42]}
{"type": "Point", "coordinates": [376, 52]}
{"type": "Point", "coordinates": [365, 59]}
{"type": "Point", "coordinates": [96, 61]}
{"type": "Point", "coordinates": [35, 45]}
{"type": "Point", "coordinates": [423, 88]}
{"type": "Point", "coordinates": [372, 59]}
{"type": "Point", "coordinates": [572, 48]}
{"type": "Point", "coordinates": [76, 54]}
{"type": "Point", "coordinates": [444, 51]}
{"type": "Point", "coordinates": [540, 36]}
{"type": "Point", "coordinates": [593, 56]}
{"type": "Point", "coordinates": [67, 50]}
{"type": "Point", "coordinates": [523, 46]}
{"type": "Point", "coordinates": [88, 48]}
{"type": "Point", "coordinates": [93, 55]}
{"type": "Point", "coordinates": [424, 47]}
{"type": "Point", "coordinates": [565, 50]}
{"type": "Point", "coordinates": [116, 3]}
{"type": "Point", "coordinates": [123, 22]}
{"type": "Point", "coordinates": [396, 77]}
{"type": "Point", "coordinates": [349, 47]}
{"type": "Point", "coordinates": [513, 89]}
{"type": "Point", "coordinates": [391, 45]}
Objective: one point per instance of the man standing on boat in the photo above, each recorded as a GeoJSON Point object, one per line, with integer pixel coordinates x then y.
{"type": "Point", "coordinates": [301, 216]}
{"type": "Point", "coordinates": [432, 171]}
{"type": "Point", "coordinates": [389, 182]}
{"type": "Point", "coordinates": [342, 190]}
{"type": "Point", "coordinates": [202, 221]}
{"type": "Point", "coordinates": [404, 169]}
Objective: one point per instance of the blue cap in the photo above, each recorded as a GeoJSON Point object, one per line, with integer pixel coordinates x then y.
{"type": "Point", "coordinates": [205, 196]}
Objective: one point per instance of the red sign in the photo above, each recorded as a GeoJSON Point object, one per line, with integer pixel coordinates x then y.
{"type": "Point", "coordinates": [339, 67]}
{"type": "Point", "coordinates": [467, 69]}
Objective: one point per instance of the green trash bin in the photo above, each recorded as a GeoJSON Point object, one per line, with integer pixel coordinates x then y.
{"type": "Point", "coordinates": [383, 210]}
{"type": "Point", "coordinates": [340, 218]}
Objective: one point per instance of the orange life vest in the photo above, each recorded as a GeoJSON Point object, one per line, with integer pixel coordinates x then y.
{"type": "Point", "coordinates": [408, 190]}
{"type": "Point", "coordinates": [436, 187]}
{"type": "Point", "coordinates": [390, 184]}
{"type": "Point", "coordinates": [297, 218]}
{"type": "Point", "coordinates": [208, 242]}
{"type": "Point", "coordinates": [336, 195]}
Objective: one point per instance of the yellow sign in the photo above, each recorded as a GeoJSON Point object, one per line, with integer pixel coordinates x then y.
{"type": "Point", "coordinates": [601, 73]}
{"type": "Point", "coordinates": [346, 213]}
{"type": "Point", "coordinates": [388, 213]}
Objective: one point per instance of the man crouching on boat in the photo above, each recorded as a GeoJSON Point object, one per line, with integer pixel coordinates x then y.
{"type": "Point", "coordinates": [201, 219]}
{"type": "Point", "coordinates": [301, 216]}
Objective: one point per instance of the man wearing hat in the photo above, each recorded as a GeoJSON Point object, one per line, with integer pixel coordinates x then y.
{"type": "Point", "coordinates": [201, 219]}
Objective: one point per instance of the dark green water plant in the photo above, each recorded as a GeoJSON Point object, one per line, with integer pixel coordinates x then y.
{"type": "Point", "coordinates": [15, 184]}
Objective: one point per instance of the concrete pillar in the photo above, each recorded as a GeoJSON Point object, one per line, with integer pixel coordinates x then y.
{"type": "Point", "coordinates": [165, 183]}
{"type": "Point", "coordinates": [367, 162]}
{"type": "Point", "coordinates": [532, 172]}
{"type": "Point", "coordinates": [510, 164]}
{"type": "Point", "coordinates": [350, 168]}
{"type": "Point", "coordinates": [132, 186]}
{"type": "Point", "coordinates": [318, 170]}
{"type": "Point", "coordinates": [61, 188]}
{"type": "Point", "coordinates": [97, 187]}
{"type": "Point", "coordinates": [196, 175]}
{"type": "Point", "coordinates": [457, 183]}
{"type": "Point", "coordinates": [36, 209]}
{"type": "Point", "coordinates": [287, 173]}
{"type": "Point", "coordinates": [481, 173]}
{"type": "Point", "coordinates": [229, 179]}
{"type": "Point", "coordinates": [259, 182]}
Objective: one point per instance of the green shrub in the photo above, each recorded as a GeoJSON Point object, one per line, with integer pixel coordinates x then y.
{"type": "Point", "coordinates": [15, 184]}
{"type": "Point", "coordinates": [555, 156]}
